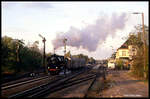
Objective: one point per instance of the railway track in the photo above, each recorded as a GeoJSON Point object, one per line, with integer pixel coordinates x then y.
{"type": "Point", "coordinates": [56, 83]}
{"type": "Point", "coordinates": [20, 87]}
{"type": "Point", "coordinates": [64, 84]}
{"type": "Point", "coordinates": [7, 86]}
{"type": "Point", "coordinates": [23, 79]}
{"type": "Point", "coordinates": [42, 89]}
{"type": "Point", "coordinates": [72, 83]}
{"type": "Point", "coordinates": [69, 87]}
{"type": "Point", "coordinates": [77, 87]}
{"type": "Point", "coordinates": [19, 77]}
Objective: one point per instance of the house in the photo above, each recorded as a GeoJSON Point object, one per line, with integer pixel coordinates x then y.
{"type": "Point", "coordinates": [111, 63]}
{"type": "Point", "coordinates": [122, 52]}
{"type": "Point", "coordinates": [126, 54]}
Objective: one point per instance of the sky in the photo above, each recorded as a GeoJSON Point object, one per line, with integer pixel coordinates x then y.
{"type": "Point", "coordinates": [95, 29]}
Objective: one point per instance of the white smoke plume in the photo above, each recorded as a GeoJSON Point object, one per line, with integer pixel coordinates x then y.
{"type": "Point", "coordinates": [90, 36]}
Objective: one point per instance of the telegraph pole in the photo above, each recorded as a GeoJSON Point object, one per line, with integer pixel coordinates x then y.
{"type": "Point", "coordinates": [64, 41]}
{"type": "Point", "coordinates": [64, 45]}
{"type": "Point", "coordinates": [145, 76]}
{"type": "Point", "coordinates": [17, 58]}
{"type": "Point", "coordinates": [54, 50]}
{"type": "Point", "coordinates": [44, 56]}
{"type": "Point", "coordinates": [17, 51]}
{"type": "Point", "coordinates": [144, 46]}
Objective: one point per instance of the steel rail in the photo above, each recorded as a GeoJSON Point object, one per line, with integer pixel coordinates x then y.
{"type": "Point", "coordinates": [21, 80]}
{"type": "Point", "coordinates": [68, 84]}
{"type": "Point", "coordinates": [22, 83]}
{"type": "Point", "coordinates": [62, 85]}
{"type": "Point", "coordinates": [43, 87]}
{"type": "Point", "coordinates": [47, 89]}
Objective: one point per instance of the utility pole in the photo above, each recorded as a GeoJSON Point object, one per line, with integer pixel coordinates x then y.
{"type": "Point", "coordinates": [64, 41]}
{"type": "Point", "coordinates": [18, 58]}
{"type": "Point", "coordinates": [64, 45]}
{"type": "Point", "coordinates": [17, 54]}
{"type": "Point", "coordinates": [17, 50]}
{"type": "Point", "coordinates": [144, 46]}
{"type": "Point", "coordinates": [145, 76]}
{"type": "Point", "coordinates": [44, 56]}
{"type": "Point", "coordinates": [54, 50]}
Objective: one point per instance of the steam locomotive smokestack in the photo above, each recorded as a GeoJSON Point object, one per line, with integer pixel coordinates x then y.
{"type": "Point", "coordinates": [89, 37]}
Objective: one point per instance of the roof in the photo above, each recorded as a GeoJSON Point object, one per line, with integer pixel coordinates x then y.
{"type": "Point", "coordinates": [124, 46]}
{"type": "Point", "coordinates": [124, 58]}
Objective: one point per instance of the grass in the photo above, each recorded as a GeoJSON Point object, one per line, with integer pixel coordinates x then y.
{"type": "Point", "coordinates": [145, 81]}
{"type": "Point", "coordinates": [136, 77]}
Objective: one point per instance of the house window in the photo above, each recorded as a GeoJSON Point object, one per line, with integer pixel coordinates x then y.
{"type": "Point", "coordinates": [133, 49]}
{"type": "Point", "coordinates": [123, 53]}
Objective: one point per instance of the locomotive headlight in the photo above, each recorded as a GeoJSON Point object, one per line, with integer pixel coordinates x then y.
{"type": "Point", "coordinates": [56, 67]}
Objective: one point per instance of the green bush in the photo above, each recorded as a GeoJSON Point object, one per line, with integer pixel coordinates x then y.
{"type": "Point", "coordinates": [119, 64]}
{"type": "Point", "coordinates": [138, 64]}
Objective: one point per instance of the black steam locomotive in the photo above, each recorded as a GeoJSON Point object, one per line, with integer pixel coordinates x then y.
{"type": "Point", "coordinates": [56, 63]}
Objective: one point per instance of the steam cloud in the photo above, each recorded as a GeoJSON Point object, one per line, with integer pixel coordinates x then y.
{"type": "Point", "coordinates": [90, 36]}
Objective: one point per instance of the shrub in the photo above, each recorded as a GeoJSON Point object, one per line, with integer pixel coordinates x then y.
{"type": "Point", "coordinates": [119, 64]}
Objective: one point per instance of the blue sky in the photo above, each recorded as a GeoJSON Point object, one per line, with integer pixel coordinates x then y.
{"type": "Point", "coordinates": [25, 20]}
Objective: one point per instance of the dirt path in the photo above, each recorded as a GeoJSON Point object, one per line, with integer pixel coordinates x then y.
{"type": "Point", "coordinates": [121, 84]}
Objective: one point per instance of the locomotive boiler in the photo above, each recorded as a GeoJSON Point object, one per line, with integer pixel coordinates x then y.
{"type": "Point", "coordinates": [57, 63]}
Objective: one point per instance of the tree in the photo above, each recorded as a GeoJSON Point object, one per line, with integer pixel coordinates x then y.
{"type": "Point", "coordinates": [91, 60]}
{"type": "Point", "coordinates": [32, 57]}
{"type": "Point", "coordinates": [48, 54]}
{"type": "Point", "coordinates": [16, 57]}
{"type": "Point", "coordinates": [8, 55]}
{"type": "Point", "coordinates": [34, 46]}
{"type": "Point", "coordinates": [137, 39]}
